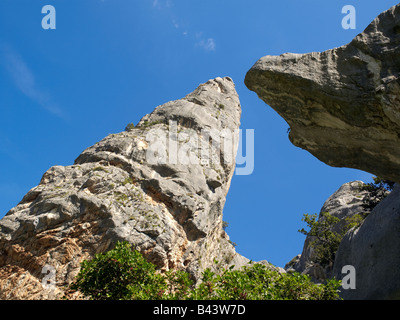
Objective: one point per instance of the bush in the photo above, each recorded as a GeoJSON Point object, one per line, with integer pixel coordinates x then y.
{"type": "Point", "coordinates": [124, 274]}
{"type": "Point", "coordinates": [129, 127]}
{"type": "Point", "coordinates": [377, 191]}
{"type": "Point", "coordinates": [326, 240]}
{"type": "Point", "coordinates": [119, 274]}
{"type": "Point", "coordinates": [258, 282]}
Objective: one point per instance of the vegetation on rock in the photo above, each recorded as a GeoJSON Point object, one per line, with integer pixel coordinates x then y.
{"type": "Point", "coordinates": [326, 240]}
{"type": "Point", "coordinates": [377, 191]}
{"type": "Point", "coordinates": [124, 274]}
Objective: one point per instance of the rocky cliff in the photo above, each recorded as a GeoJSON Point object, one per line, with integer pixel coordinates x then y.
{"type": "Point", "coordinates": [342, 105]}
{"type": "Point", "coordinates": [372, 248]}
{"type": "Point", "coordinates": [373, 251]}
{"type": "Point", "coordinates": [343, 204]}
{"type": "Point", "coordinates": [160, 185]}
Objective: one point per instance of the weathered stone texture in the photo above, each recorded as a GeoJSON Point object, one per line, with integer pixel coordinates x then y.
{"type": "Point", "coordinates": [342, 105]}
{"type": "Point", "coordinates": [171, 212]}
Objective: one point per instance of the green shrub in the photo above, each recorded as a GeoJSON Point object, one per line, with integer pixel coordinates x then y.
{"type": "Point", "coordinates": [119, 274]}
{"type": "Point", "coordinates": [258, 282]}
{"type": "Point", "coordinates": [326, 241]}
{"type": "Point", "coordinates": [124, 274]}
{"type": "Point", "coordinates": [130, 126]}
{"type": "Point", "coordinates": [377, 191]}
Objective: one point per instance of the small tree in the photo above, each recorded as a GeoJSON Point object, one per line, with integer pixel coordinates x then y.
{"type": "Point", "coordinates": [129, 127]}
{"type": "Point", "coordinates": [119, 274]}
{"type": "Point", "coordinates": [259, 282]}
{"type": "Point", "coordinates": [326, 240]}
{"type": "Point", "coordinates": [122, 273]}
{"type": "Point", "coordinates": [377, 191]}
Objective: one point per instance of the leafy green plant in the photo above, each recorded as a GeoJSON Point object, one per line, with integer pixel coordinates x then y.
{"type": "Point", "coordinates": [354, 221]}
{"type": "Point", "coordinates": [179, 285]}
{"type": "Point", "coordinates": [100, 169]}
{"type": "Point", "coordinates": [147, 124]}
{"type": "Point", "coordinates": [258, 282]}
{"type": "Point", "coordinates": [128, 180]}
{"type": "Point", "coordinates": [130, 126]}
{"type": "Point", "coordinates": [121, 198]}
{"type": "Point", "coordinates": [119, 274]}
{"type": "Point", "coordinates": [377, 191]}
{"type": "Point", "coordinates": [123, 273]}
{"type": "Point", "coordinates": [326, 240]}
{"type": "Point", "coordinates": [232, 243]}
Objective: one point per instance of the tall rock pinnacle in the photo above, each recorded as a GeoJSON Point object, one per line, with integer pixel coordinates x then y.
{"type": "Point", "coordinates": [160, 185]}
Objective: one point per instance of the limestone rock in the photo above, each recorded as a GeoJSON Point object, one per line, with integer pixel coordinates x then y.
{"type": "Point", "coordinates": [344, 203]}
{"type": "Point", "coordinates": [342, 105]}
{"type": "Point", "coordinates": [132, 186]}
{"type": "Point", "coordinates": [373, 250]}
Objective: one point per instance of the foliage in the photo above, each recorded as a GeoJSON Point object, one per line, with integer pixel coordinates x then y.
{"type": "Point", "coordinates": [147, 124]}
{"type": "Point", "coordinates": [179, 285]}
{"type": "Point", "coordinates": [377, 191]}
{"type": "Point", "coordinates": [326, 240]}
{"type": "Point", "coordinates": [232, 243]}
{"type": "Point", "coordinates": [258, 282]}
{"type": "Point", "coordinates": [122, 273]}
{"type": "Point", "coordinates": [354, 221]}
{"type": "Point", "coordinates": [130, 126]}
{"type": "Point", "coordinates": [119, 274]}
{"type": "Point", "coordinates": [128, 180]}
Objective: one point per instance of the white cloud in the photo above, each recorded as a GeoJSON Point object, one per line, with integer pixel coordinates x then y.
{"type": "Point", "coordinates": [161, 4]}
{"type": "Point", "coordinates": [207, 45]}
{"type": "Point", "coordinates": [176, 24]}
{"type": "Point", "coordinates": [24, 80]}
{"type": "Point", "coordinates": [169, 3]}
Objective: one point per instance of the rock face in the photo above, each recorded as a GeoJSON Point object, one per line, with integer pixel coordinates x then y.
{"type": "Point", "coordinates": [143, 186]}
{"type": "Point", "coordinates": [373, 250]}
{"type": "Point", "coordinates": [344, 203]}
{"type": "Point", "coordinates": [342, 105]}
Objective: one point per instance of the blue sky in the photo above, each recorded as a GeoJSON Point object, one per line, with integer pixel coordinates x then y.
{"type": "Point", "coordinates": [110, 62]}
